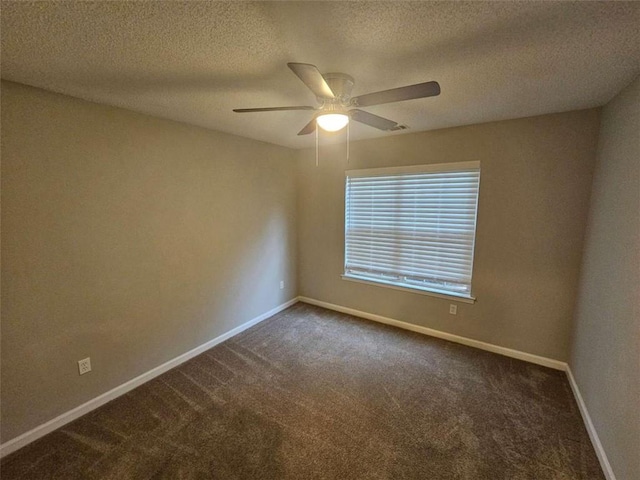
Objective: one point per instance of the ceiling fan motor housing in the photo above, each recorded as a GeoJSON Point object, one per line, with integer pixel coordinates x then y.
{"type": "Point", "coordinates": [341, 85]}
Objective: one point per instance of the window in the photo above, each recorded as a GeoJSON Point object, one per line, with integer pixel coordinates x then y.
{"type": "Point", "coordinates": [413, 227]}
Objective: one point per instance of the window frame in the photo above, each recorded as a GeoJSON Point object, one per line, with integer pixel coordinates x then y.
{"type": "Point", "coordinates": [414, 169]}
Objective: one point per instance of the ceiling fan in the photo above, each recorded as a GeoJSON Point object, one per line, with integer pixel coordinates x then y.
{"type": "Point", "coordinates": [337, 106]}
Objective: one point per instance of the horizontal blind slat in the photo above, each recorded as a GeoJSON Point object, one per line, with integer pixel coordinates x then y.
{"type": "Point", "coordinates": [440, 275]}
{"type": "Point", "coordinates": [412, 239]}
{"type": "Point", "coordinates": [404, 268]}
{"type": "Point", "coordinates": [461, 258]}
{"type": "Point", "coordinates": [438, 241]}
{"type": "Point", "coordinates": [409, 261]}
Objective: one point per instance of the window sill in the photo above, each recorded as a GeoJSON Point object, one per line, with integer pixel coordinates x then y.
{"type": "Point", "coordinates": [448, 296]}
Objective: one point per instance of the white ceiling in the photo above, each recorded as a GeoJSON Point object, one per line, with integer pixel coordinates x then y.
{"type": "Point", "coordinates": [195, 61]}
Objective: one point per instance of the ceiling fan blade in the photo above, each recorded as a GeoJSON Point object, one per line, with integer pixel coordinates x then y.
{"type": "Point", "coordinates": [309, 127]}
{"type": "Point", "coordinates": [312, 78]}
{"type": "Point", "coordinates": [419, 90]}
{"type": "Point", "coordinates": [271, 109]}
{"type": "Point", "coordinates": [372, 120]}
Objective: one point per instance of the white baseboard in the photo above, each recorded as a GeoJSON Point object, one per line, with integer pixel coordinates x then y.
{"type": "Point", "coordinates": [593, 434]}
{"type": "Point", "coordinates": [527, 357]}
{"type": "Point", "coordinates": [41, 430]}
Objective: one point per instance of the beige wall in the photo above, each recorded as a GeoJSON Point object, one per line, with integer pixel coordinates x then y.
{"type": "Point", "coordinates": [605, 358]}
{"type": "Point", "coordinates": [128, 239]}
{"type": "Point", "coordinates": [535, 181]}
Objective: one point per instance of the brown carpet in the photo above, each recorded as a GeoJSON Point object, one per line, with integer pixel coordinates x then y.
{"type": "Point", "coordinates": [314, 394]}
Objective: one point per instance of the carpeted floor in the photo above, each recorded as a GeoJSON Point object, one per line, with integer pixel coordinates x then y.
{"type": "Point", "coordinates": [314, 394]}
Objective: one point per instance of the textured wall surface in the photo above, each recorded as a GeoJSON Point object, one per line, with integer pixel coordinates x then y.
{"type": "Point", "coordinates": [605, 357]}
{"type": "Point", "coordinates": [128, 239]}
{"type": "Point", "coordinates": [534, 190]}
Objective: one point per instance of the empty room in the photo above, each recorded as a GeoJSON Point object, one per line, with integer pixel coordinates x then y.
{"type": "Point", "coordinates": [320, 240]}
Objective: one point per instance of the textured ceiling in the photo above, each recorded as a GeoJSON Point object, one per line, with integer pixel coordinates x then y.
{"type": "Point", "coordinates": [195, 61]}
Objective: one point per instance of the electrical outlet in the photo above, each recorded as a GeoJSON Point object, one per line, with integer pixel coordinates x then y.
{"type": "Point", "coordinates": [84, 365]}
{"type": "Point", "coordinates": [281, 284]}
{"type": "Point", "coordinates": [453, 309]}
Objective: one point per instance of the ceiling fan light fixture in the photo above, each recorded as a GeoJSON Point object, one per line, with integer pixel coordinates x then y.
{"type": "Point", "coordinates": [332, 122]}
{"type": "Point", "coordinates": [333, 93]}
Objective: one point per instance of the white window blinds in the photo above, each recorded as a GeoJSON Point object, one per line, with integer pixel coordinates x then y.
{"type": "Point", "coordinates": [413, 226]}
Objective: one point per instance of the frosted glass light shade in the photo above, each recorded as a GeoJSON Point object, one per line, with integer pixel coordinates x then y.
{"type": "Point", "coordinates": [332, 122]}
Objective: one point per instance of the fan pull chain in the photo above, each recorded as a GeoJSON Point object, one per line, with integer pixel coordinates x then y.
{"type": "Point", "coordinates": [317, 128]}
{"type": "Point", "coordinates": [348, 143]}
